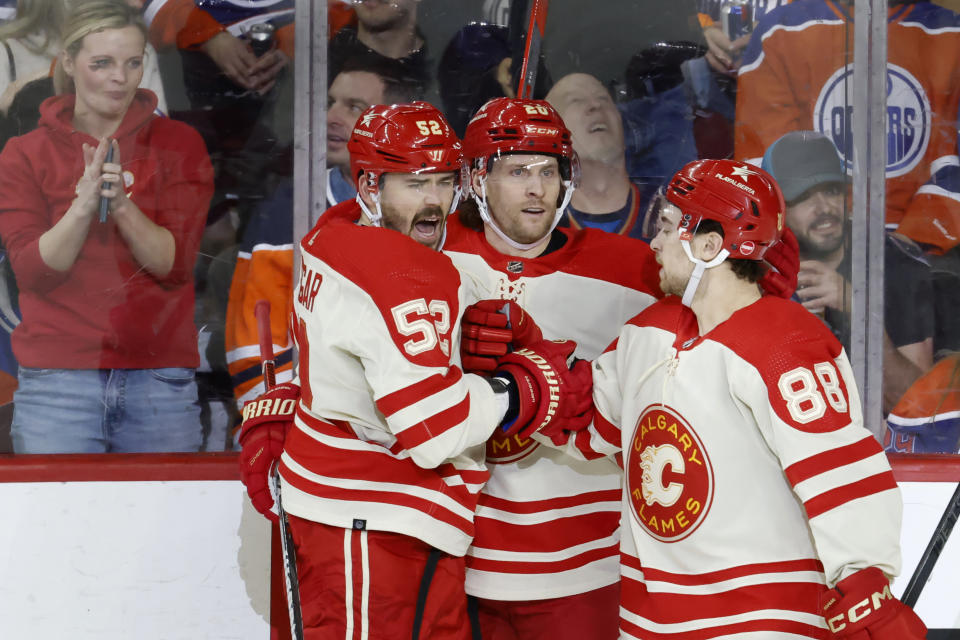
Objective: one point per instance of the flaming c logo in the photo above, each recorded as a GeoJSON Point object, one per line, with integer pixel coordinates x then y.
{"type": "Point", "coordinates": [668, 474]}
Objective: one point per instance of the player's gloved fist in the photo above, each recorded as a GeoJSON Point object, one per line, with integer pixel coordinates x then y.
{"type": "Point", "coordinates": [861, 607]}
{"type": "Point", "coordinates": [546, 395]}
{"type": "Point", "coordinates": [490, 329]}
{"type": "Point", "coordinates": [266, 421]}
{"type": "Point", "coordinates": [784, 257]}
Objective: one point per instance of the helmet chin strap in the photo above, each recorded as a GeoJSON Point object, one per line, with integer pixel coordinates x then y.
{"type": "Point", "coordinates": [488, 219]}
{"type": "Point", "coordinates": [375, 219]}
{"type": "Point", "coordinates": [699, 266]}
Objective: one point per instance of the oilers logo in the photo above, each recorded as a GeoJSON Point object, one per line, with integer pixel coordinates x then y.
{"type": "Point", "coordinates": [668, 474]}
{"type": "Point", "coordinates": [908, 118]}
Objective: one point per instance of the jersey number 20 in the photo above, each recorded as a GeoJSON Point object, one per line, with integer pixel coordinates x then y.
{"type": "Point", "coordinates": [801, 391]}
{"type": "Point", "coordinates": [427, 323]}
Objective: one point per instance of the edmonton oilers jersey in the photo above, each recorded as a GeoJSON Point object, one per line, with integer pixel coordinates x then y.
{"type": "Point", "coordinates": [235, 15]}
{"type": "Point", "coordinates": [797, 74]}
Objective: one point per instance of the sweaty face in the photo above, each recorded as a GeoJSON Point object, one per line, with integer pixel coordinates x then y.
{"type": "Point", "coordinates": [675, 267]}
{"type": "Point", "coordinates": [416, 205]}
{"type": "Point", "coordinates": [593, 119]}
{"type": "Point", "coordinates": [818, 220]}
{"type": "Point", "coordinates": [522, 193]}
{"type": "Point", "coordinates": [106, 72]}
{"type": "Point", "coordinates": [349, 96]}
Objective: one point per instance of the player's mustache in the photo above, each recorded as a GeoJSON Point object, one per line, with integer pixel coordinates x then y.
{"type": "Point", "coordinates": [432, 211]}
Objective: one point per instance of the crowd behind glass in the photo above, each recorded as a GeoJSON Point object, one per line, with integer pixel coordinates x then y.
{"type": "Point", "coordinates": [136, 310]}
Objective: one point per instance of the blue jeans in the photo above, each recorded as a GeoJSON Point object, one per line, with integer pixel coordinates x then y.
{"type": "Point", "coordinates": [106, 410]}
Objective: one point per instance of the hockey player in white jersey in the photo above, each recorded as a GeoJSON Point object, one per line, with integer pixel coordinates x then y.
{"type": "Point", "coordinates": [382, 464]}
{"type": "Point", "coordinates": [544, 562]}
{"type": "Point", "coordinates": [755, 503]}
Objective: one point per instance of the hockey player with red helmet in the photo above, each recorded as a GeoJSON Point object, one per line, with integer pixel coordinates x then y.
{"type": "Point", "coordinates": [382, 464]}
{"type": "Point", "coordinates": [544, 560]}
{"type": "Point", "coordinates": [755, 501]}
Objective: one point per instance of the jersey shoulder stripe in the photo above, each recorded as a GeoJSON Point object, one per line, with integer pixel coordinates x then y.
{"type": "Point", "coordinates": [410, 284]}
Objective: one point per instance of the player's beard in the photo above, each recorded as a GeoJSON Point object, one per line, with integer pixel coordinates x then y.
{"type": "Point", "coordinates": [673, 283]}
{"type": "Point", "coordinates": [429, 213]}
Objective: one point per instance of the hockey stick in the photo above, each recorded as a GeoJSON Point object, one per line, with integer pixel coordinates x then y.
{"type": "Point", "coordinates": [262, 313]}
{"type": "Point", "coordinates": [531, 51]}
{"type": "Point", "coordinates": [934, 548]}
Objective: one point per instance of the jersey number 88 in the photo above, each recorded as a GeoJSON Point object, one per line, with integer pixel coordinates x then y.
{"type": "Point", "coordinates": [800, 390]}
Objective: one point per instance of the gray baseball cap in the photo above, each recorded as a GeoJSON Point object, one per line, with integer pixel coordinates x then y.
{"type": "Point", "coordinates": [801, 160]}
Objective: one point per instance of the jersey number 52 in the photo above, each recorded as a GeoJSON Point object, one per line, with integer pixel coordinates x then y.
{"type": "Point", "coordinates": [427, 323]}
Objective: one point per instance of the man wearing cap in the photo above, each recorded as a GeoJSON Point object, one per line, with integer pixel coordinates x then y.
{"type": "Point", "coordinates": [814, 184]}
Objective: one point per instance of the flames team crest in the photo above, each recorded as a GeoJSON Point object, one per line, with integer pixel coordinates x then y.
{"type": "Point", "coordinates": [668, 474]}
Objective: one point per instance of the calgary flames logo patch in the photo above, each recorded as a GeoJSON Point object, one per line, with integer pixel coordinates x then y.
{"type": "Point", "coordinates": [668, 474]}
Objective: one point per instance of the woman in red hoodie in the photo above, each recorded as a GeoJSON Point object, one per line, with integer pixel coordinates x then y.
{"type": "Point", "coordinates": [107, 345]}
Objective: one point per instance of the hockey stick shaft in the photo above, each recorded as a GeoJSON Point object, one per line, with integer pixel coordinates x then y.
{"type": "Point", "coordinates": [531, 51]}
{"type": "Point", "coordinates": [262, 313]}
{"type": "Point", "coordinates": [934, 548]}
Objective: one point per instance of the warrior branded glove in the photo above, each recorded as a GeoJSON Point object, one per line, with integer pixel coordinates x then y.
{"type": "Point", "coordinates": [861, 607]}
{"type": "Point", "coordinates": [784, 257]}
{"type": "Point", "coordinates": [545, 395]}
{"type": "Point", "coordinates": [266, 421]}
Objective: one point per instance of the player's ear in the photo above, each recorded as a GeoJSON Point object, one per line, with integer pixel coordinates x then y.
{"type": "Point", "coordinates": [368, 188]}
{"type": "Point", "coordinates": [710, 245]}
{"type": "Point", "coordinates": [475, 175]}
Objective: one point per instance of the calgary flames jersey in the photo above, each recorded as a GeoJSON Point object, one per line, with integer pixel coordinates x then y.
{"type": "Point", "coordinates": [389, 433]}
{"type": "Point", "coordinates": [546, 525]}
{"type": "Point", "coordinates": [797, 74]}
{"type": "Point", "coordinates": [750, 482]}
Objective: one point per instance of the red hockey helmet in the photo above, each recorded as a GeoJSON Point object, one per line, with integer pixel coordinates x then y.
{"type": "Point", "coordinates": [743, 198]}
{"type": "Point", "coordinates": [510, 125]}
{"type": "Point", "coordinates": [403, 138]}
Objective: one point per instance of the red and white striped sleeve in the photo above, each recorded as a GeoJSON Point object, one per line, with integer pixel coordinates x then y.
{"type": "Point", "coordinates": [378, 318]}
{"type": "Point", "coordinates": [603, 437]}
{"type": "Point", "coordinates": [808, 411]}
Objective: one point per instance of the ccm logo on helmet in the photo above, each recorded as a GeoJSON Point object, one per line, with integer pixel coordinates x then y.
{"type": "Point", "coordinates": [858, 611]}
{"type": "Point", "coordinates": [543, 131]}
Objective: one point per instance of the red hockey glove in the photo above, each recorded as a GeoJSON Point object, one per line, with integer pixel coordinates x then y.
{"type": "Point", "coordinates": [545, 395]}
{"type": "Point", "coordinates": [266, 421]}
{"type": "Point", "coordinates": [491, 328]}
{"type": "Point", "coordinates": [861, 607]}
{"type": "Point", "coordinates": [784, 258]}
